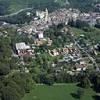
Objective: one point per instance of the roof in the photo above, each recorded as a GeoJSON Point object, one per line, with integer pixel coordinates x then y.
{"type": "Point", "coordinates": [22, 45]}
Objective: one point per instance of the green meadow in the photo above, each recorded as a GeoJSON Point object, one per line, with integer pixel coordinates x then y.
{"type": "Point", "coordinates": [57, 92]}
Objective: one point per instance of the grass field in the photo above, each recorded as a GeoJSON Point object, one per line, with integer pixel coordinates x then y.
{"type": "Point", "coordinates": [57, 92]}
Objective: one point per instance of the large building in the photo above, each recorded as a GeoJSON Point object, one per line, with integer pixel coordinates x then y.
{"type": "Point", "coordinates": [23, 49]}
{"type": "Point", "coordinates": [43, 14]}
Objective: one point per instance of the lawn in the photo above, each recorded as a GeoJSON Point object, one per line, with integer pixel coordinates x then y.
{"type": "Point", "coordinates": [57, 92]}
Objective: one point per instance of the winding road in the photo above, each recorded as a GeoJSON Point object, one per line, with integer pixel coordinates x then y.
{"type": "Point", "coordinates": [12, 14]}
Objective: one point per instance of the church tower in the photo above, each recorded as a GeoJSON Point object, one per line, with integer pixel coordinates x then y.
{"type": "Point", "coordinates": [46, 15]}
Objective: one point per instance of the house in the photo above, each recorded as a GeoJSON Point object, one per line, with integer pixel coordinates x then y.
{"type": "Point", "coordinates": [40, 35]}
{"type": "Point", "coordinates": [80, 67]}
{"type": "Point", "coordinates": [49, 42]}
{"type": "Point", "coordinates": [38, 42]}
{"type": "Point", "coordinates": [54, 52]}
{"type": "Point", "coordinates": [23, 49]}
{"type": "Point", "coordinates": [65, 51]}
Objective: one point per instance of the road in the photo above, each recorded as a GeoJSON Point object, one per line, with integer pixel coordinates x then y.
{"type": "Point", "coordinates": [12, 14]}
{"type": "Point", "coordinates": [89, 56]}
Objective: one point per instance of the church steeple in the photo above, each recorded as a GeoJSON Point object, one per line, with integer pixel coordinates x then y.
{"type": "Point", "coordinates": [46, 15]}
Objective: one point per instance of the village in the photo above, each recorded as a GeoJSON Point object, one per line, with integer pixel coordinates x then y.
{"type": "Point", "coordinates": [43, 20]}
{"type": "Point", "coordinates": [49, 49]}
{"type": "Point", "coordinates": [69, 52]}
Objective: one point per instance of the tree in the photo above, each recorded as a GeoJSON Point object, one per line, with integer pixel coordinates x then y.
{"type": "Point", "coordinates": [9, 93]}
{"type": "Point", "coordinates": [81, 24]}
{"type": "Point", "coordinates": [4, 69]}
{"type": "Point", "coordinates": [15, 86]}
{"type": "Point", "coordinates": [4, 4]}
{"type": "Point", "coordinates": [5, 49]}
{"type": "Point", "coordinates": [97, 83]}
{"type": "Point", "coordinates": [85, 82]}
{"type": "Point", "coordinates": [80, 93]}
{"type": "Point", "coordinates": [49, 79]}
{"type": "Point", "coordinates": [24, 81]}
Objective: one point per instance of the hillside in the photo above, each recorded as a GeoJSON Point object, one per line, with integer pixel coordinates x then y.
{"type": "Point", "coordinates": [10, 6]}
{"type": "Point", "coordinates": [83, 5]}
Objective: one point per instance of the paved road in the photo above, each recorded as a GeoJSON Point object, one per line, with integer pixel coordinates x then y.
{"type": "Point", "coordinates": [16, 12]}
